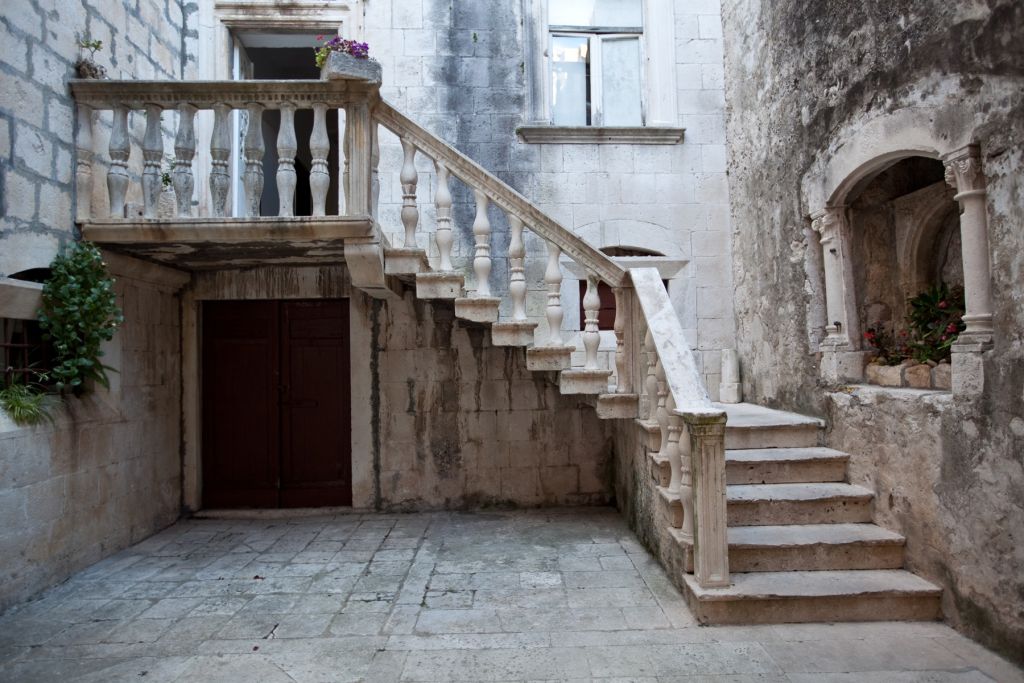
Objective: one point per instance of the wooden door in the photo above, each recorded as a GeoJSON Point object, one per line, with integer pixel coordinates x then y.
{"type": "Point", "coordinates": [276, 418]}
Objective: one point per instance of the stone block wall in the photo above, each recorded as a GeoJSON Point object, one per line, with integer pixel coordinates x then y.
{"type": "Point", "coordinates": [141, 39]}
{"type": "Point", "coordinates": [803, 83]}
{"type": "Point", "coordinates": [107, 472]}
{"type": "Point", "coordinates": [465, 424]}
{"type": "Point", "coordinates": [460, 70]}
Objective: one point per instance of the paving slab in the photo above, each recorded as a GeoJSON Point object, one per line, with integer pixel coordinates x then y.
{"type": "Point", "coordinates": [534, 595]}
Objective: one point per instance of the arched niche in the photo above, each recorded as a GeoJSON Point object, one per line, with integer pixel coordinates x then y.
{"type": "Point", "coordinates": [935, 128]}
{"type": "Point", "coordinates": [903, 232]}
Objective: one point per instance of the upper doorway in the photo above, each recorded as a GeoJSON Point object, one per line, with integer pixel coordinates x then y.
{"type": "Point", "coordinates": [264, 55]}
{"type": "Point", "coordinates": [276, 404]}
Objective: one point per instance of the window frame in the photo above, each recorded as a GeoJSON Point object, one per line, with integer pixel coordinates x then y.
{"type": "Point", "coordinates": [658, 82]}
{"type": "Point", "coordinates": [596, 37]}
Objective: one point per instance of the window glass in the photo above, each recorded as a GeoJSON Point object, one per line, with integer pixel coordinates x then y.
{"type": "Point", "coordinates": [570, 80]}
{"type": "Point", "coordinates": [607, 13]}
{"type": "Point", "coordinates": [620, 82]}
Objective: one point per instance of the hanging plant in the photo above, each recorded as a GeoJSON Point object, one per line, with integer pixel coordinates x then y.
{"type": "Point", "coordinates": [79, 313]}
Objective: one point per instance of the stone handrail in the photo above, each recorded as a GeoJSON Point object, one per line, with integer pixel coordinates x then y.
{"type": "Point", "coordinates": [679, 403]}
{"type": "Point", "coordinates": [490, 188]}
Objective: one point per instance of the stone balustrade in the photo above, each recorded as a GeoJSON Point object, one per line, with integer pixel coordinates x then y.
{"type": "Point", "coordinates": [176, 105]}
{"type": "Point", "coordinates": [692, 432]}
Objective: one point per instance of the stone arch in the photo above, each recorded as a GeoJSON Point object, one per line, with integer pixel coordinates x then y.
{"type": "Point", "coordinates": [635, 235]}
{"type": "Point", "coordinates": [863, 150]}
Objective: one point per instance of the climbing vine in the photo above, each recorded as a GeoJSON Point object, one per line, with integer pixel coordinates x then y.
{"type": "Point", "coordinates": [79, 313]}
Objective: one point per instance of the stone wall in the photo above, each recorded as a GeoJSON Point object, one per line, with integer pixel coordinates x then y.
{"type": "Point", "coordinates": [465, 424]}
{"type": "Point", "coordinates": [806, 82]}
{"type": "Point", "coordinates": [141, 39]}
{"type": "Point", "coordinates": [107, 472]}
{"type": "Point", "coordinates": [460, 69]}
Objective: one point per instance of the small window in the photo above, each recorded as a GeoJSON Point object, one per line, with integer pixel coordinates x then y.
{"type": "Point", "coordinates": [596, 62]}
{"type": "Point", "coordinates": [26, 357]}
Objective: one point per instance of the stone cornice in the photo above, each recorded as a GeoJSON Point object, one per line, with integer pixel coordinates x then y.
{"type": "Point", "coordinates": [588, 135]}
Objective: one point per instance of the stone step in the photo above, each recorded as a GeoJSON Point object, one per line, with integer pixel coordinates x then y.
{"type": "Point", "coordinates": [779, 504]}
{"type": "Point", "coordinates": [753, 426]}
{"type": "Point", "coordinates": [784, 465]}
{"type": "Point", "coordinates": [809, 596]}
{"type": "Point", "coordinates": [814, 547]}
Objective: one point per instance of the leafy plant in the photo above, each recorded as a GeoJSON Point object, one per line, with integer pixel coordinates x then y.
{"type": "Point", "coordinates": [889, 350]}
{"type": "Point", "coordinates": [935, 320]}
{"type": "Point", "coordinates": [79, 313]}
{"type": "Point", "coordinates": [339, 44]}
{"type": "Point", "coordinates": [25, 403]}
{"type": "Point", "coordinates": [93, 46]}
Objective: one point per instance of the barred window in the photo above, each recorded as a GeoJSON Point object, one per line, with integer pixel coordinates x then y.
{"type": "Point", "coordinates": [25, 355]}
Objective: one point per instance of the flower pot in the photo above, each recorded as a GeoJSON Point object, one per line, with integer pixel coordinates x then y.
{"type": "Point", "coordinates": [87, 68]}
{"type": "Point", "coordinates": [343, 66]}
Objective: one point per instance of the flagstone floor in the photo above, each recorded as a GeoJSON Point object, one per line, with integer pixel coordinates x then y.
{"type": "Point", "coordinates": [553, 595]}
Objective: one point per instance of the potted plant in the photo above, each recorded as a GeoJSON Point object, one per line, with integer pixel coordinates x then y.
{"type": "Point", "coordinates": [342, 59]}
{"type": "Point", "coordinates": [167, 202]}
{"type": "Point", "coordinates": [86, 66]}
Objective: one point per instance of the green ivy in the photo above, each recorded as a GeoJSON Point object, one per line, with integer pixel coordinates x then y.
{"type": "Point", "coordinates": [79, 313]}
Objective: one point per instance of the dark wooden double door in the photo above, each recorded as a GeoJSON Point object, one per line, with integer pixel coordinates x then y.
{"type": "Point", "coordinates": [276, 404]}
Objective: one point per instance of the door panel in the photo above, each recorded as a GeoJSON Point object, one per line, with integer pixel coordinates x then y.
{"type": "Point", "coordinates": [316, 464]}
{"type": "Point", "coordinates": [240, 404]}
{"type": "Point", "coordinates": [276, 404]}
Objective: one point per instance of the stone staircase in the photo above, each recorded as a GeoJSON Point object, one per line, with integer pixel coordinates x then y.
{"type": "Point", "coordinates": [802, 545]}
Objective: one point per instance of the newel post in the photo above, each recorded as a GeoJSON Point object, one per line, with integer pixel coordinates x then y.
{"type": "Point", "coordinates": [707, 462]}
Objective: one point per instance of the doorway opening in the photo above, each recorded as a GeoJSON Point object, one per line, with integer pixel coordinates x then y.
{"type": "Point", "coordinates": [286, 56]}
{"type": "Point", "coordinates": [276, 404]}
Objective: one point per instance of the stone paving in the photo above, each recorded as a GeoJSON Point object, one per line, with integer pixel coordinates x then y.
{"type": "Point", "coordinates": [554, 595]}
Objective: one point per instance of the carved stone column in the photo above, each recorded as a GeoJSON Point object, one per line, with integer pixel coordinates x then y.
{"type": "Point", "coordinates": [707, 460]}
{"type": "Point", "coordinates": [841, 360]}
{"type": "Point", "coordinates": [963, 172]}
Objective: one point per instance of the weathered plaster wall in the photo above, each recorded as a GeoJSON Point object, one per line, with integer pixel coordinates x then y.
{"type": "Point", "coordinates": [38, 49]}
{"type": "Point", "coordinates": [107, 472]}
{"type": "Point", "coordinates": [459, 68]}
{"type": "Point", "coordinates": [807, 82]}
{"type": "Point", "coordinates": [465, 424]}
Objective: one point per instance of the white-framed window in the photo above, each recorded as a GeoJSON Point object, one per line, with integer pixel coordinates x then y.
{"type": "Point", "coordinates": [600, 71]}
{"type": "Point", "coordinates": [596, 62]}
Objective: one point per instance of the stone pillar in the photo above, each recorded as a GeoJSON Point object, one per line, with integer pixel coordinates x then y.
{"type": "Point", "coordinates": [841, 359]}
{"type": "Point", "coordinates": [963, 173]}
{"type": "Point", "coordinates": [707, 462]}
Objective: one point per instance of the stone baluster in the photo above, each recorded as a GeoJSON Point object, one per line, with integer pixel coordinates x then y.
{"type": "Point", "coordinates": [482, 246]}
{"type": "Point", "coordinates": [408, 178]}
{"type": "Point", "coordinates": [685, 472]}
{"type": "Point", "coordinates": [707, 461]}
{"type": "Point", "coordinates": [651, 379]}
{"type": "Point", "coordinates": [220, 152]}
{"type": "Point", "coordinates": [319, 148]}
{"type": "Point", "coordinates": [287, 147]}
{"type": "Point", "coordinates": [591, 335]}
{"type": "Point", "coordinates": [661, 413]}
{"type": "Point", "coordinates": [553, 280]}
{"type": "Point", "coordinates": [152, 155]}
{"type": "Point", "coordinates": [346, 150]}
{"type": "Point", "coordinates": [119, 150]}
{"type": "Point", "coordinates": [83, 165]}
{"type": "Point", "coordinates": [252, 177]}
{"type": "Point", "coordinates": [517, 279]}
{"type": "Point", "coordinates": [443, 203]}
{"type": "Point", "coordinates": [673, 427]}
{"type": "Point", "coordinates": [623, 381]}
{"type": "Point", "coordinates": [184, 152]}
{"type": "Point", "coordinates": [374, 165]}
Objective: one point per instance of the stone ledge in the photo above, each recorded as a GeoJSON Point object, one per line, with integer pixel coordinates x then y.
{"type": "Point", "coordinates": [512, 333]}
{"type": "Point", "coordinates": [438, 285]}
{"type": "Point", "coordinates": [555, 358]}
{"type": "Point", "coordinates": [483, 309]}
{"type": "Point", "coordinates": [584, 381]}
{"type": "Point", "coordinates": [617, 406]}
{"type": "Point", "coordinates": [588, 135]}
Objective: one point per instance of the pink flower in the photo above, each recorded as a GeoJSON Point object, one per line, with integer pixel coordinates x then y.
{"type": "Point", "coordinates": [943, 304]}
{"type": "Point", "coordinates": [951, 328]}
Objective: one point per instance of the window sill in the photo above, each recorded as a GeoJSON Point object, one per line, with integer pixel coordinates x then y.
{"type": "Point", "coordinates": [590, 135]}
